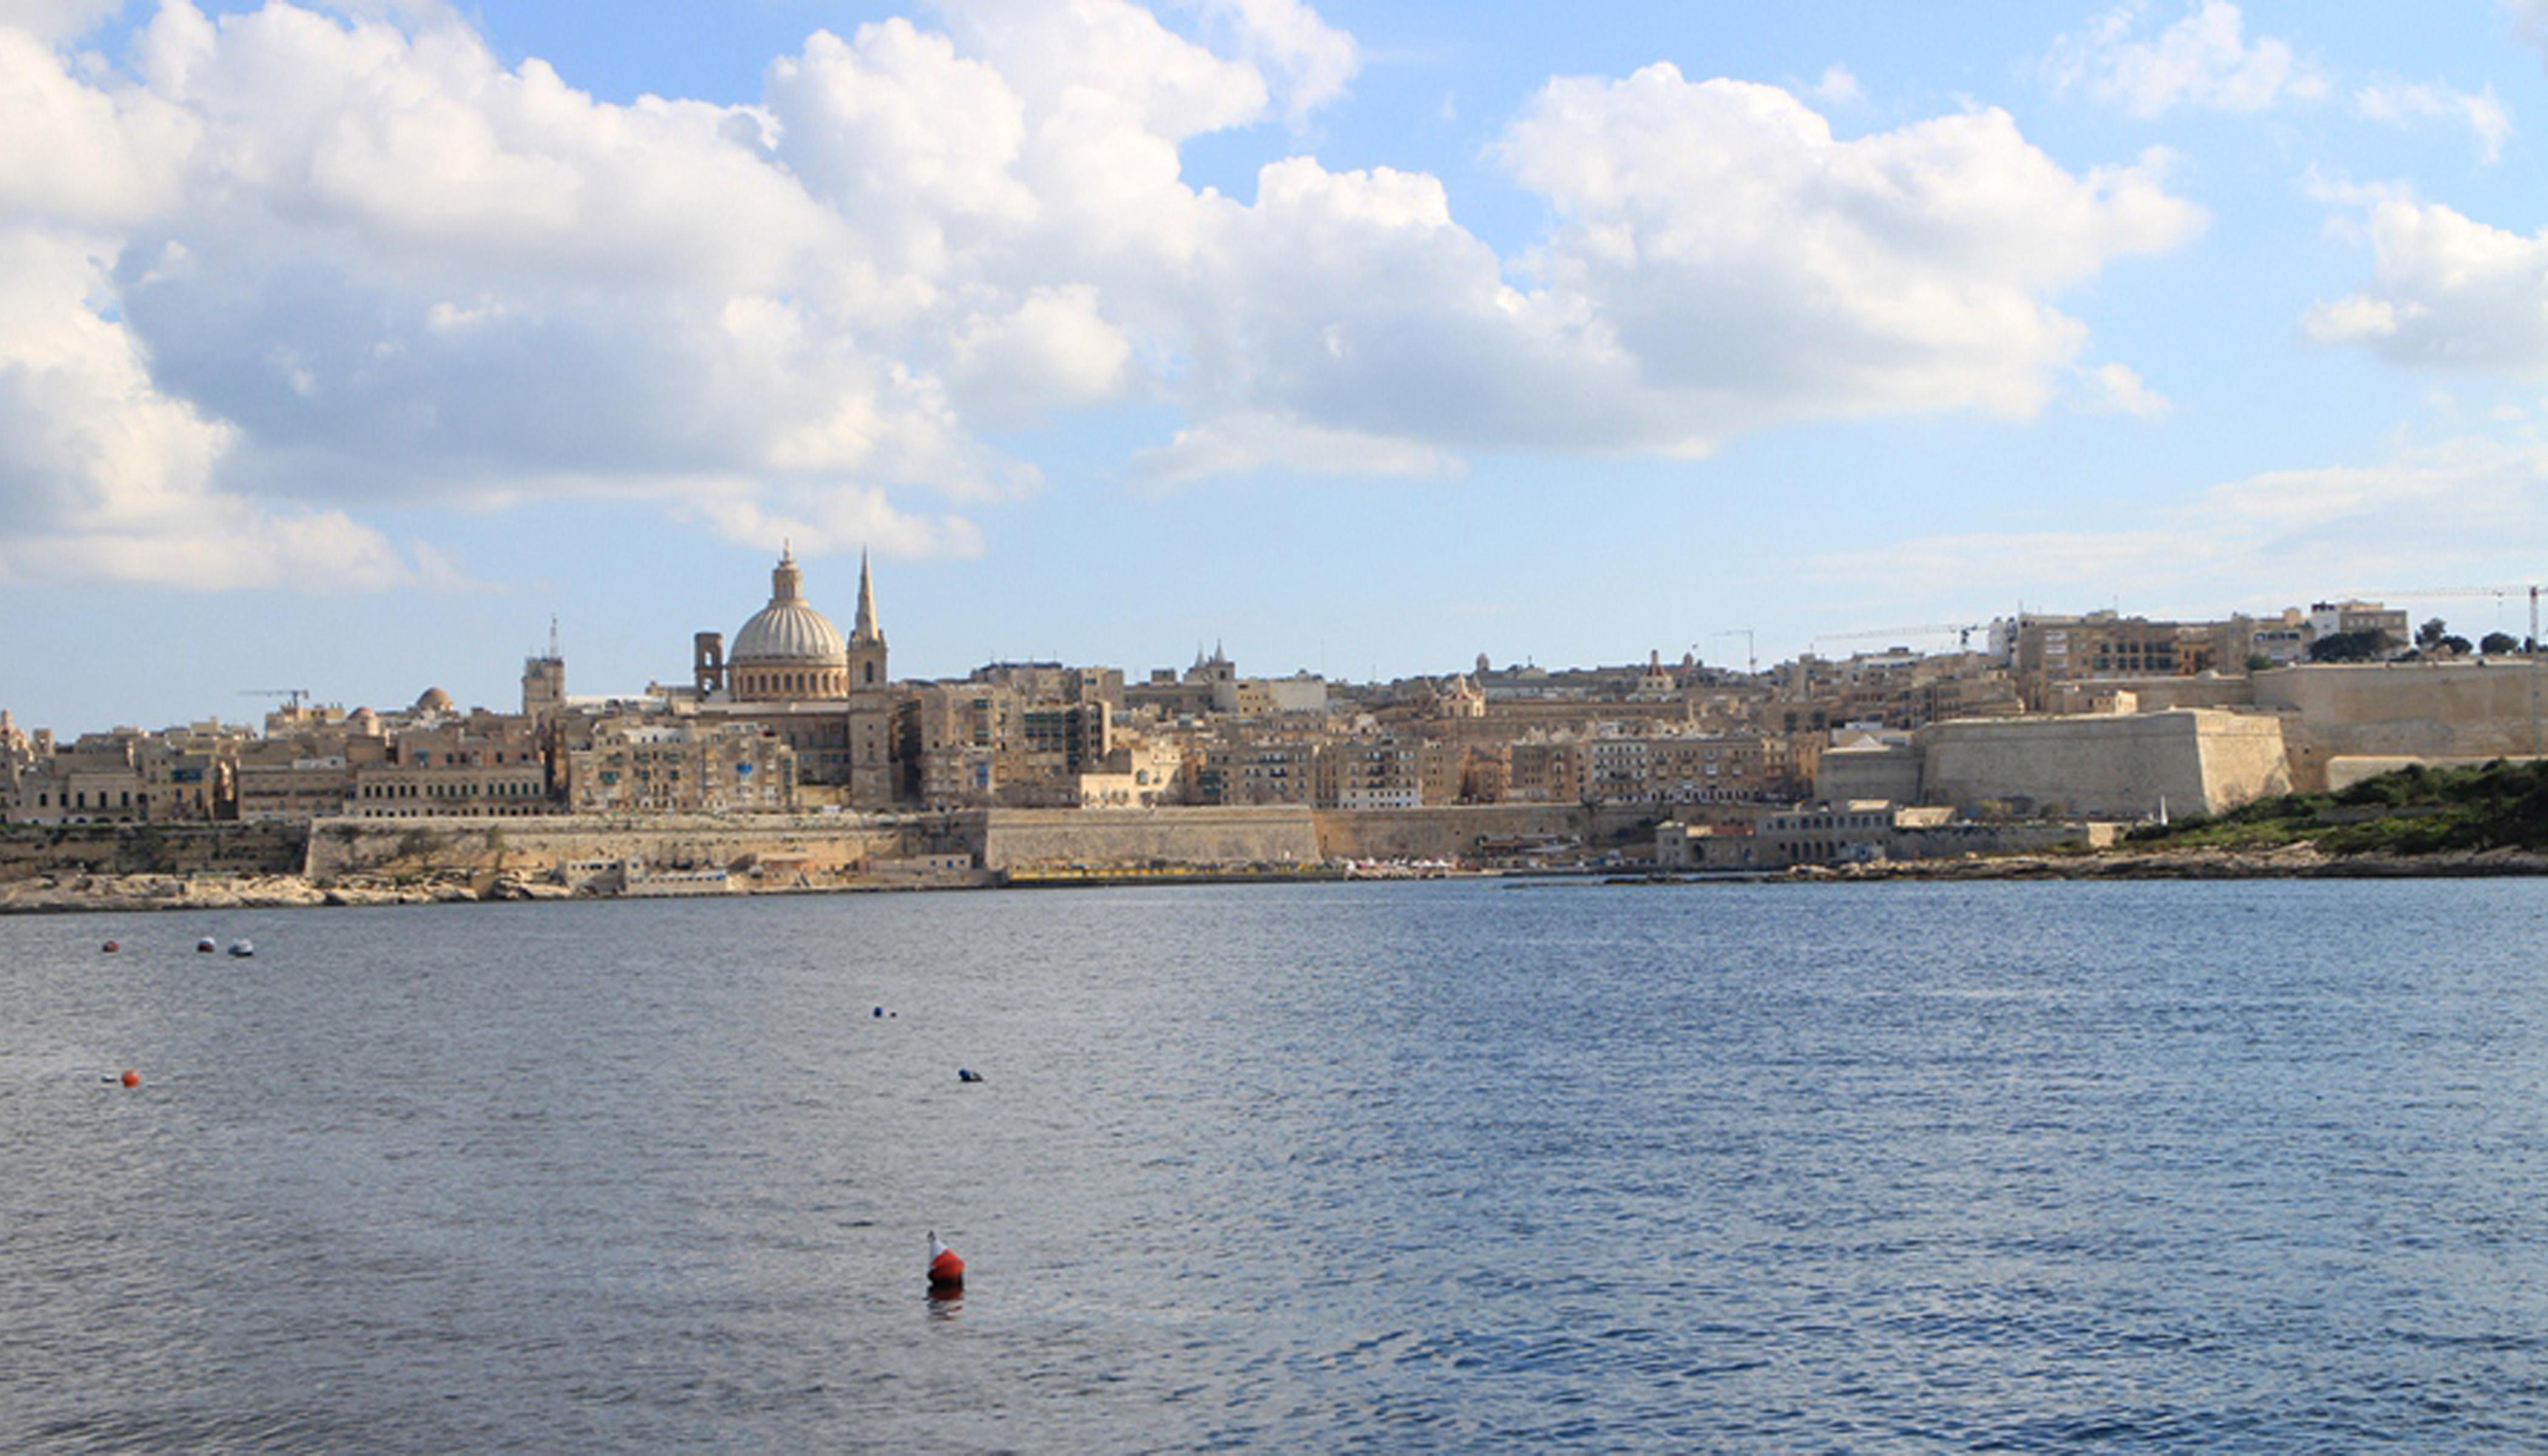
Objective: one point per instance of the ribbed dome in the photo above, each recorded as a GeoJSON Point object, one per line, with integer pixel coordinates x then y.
{"type": "Point", "coordinates": [793, 631]}
{"type": "Point", "coordinates": [787, 630]}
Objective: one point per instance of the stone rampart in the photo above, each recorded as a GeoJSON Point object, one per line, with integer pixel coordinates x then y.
{"type": "Point", "coordinates": [1456, 830]}
{"type": "Point", "coordinates": [816, 844]}
{"type": "Point", "coordinates": [1047, 839]}
{"type": "Point", "coordinates": [1891, 773]}
{"type": "Point", "coordinates": [27, 851]}
{"type": "Point", "coordinates": [2428, 711]}
{"type": "Point", "coordinates": [2194, 761]}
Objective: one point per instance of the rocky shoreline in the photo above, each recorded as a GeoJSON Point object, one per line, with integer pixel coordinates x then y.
{"type": "Point", "coordinates": [2303, 860]}
{"type": "Point", "coordinates": [67, 892]}
{"type": "Point", "coordinates": [132, 892]}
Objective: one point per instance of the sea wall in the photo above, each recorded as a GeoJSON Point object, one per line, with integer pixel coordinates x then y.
{"type": "Point", "coordinates": [30, 850]}
{"type": "Point", "coordinates": [818, 845]}
{"type": "Point", "coordinates": [1457, 831]}
{"type": "Point", "coordinates": [1205, 838]}
{"type": "Point", "coordinates": [820, 848]}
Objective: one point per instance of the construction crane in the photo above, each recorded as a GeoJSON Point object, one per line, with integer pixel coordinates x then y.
{"type": "Point", "coordinates": [2538, 741]}
{"type": "Point", "coordinates": [1750, 647]}
{"type": "Point", "coordinates": [2497, 592]}
{"type": "Point", "coordinates": [299, 695]}
{"type": "Point", "coordinates": [1964, 633]}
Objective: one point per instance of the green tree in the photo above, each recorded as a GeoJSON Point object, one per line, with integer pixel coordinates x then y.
{"type": "Point", "coordinates": [2349, 647]}
{"type": "Point", "coordinates": [2495, 643]}
{"type": "Point", "coordinates": [2431, 634]}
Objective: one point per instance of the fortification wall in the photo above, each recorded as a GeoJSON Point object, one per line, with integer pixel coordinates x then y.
{"type": "Point", "coordinates": [1888, 773]}
{"type": "Point", "coordinates": [1027, 839]}
{"type": "Point", "coordinates": [836, 846]}
{"type": "Point", "coordinates": [2160, 694]}
{"type": "Point", "coordinates": [2430, 712]}
{"type": "Point", "coordinates": [2245, 758]}
{"type": "Point", "coordinates": [1450, 831]}
{"type": "Point", "coordinates": [2196, 761]}
{"type": "Point", "coordinates": [819, 843]}
{"type": "Point", "coordinates": [29, 851]}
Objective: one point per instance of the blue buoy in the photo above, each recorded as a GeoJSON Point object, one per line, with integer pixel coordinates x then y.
{"type": "Point", "coordinates": [879, 1013]}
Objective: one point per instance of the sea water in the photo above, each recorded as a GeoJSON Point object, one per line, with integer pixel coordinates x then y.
{"type": "Point", "coordinates": [1419, 1166]}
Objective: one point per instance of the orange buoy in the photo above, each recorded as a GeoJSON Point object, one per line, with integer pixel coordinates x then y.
{"type": "Point", "coordinates": [133, 1079]}
{"type": "Point", "coordinates": [945, 1268]}
{"type": "Point", "coordinates": [112, 947]}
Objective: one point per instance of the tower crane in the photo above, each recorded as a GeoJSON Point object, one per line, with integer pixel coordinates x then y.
{"type": "Point", "coordinates": [1964, 633]}
{"type": "Point", "coordinates": [2497, 592]}
{"type": "Point", "coordinates": [2531, 647]}
{"type": "Point", "coordinates": [299, 695]}
{"type": "Point", "coordinates": [1751, 646]}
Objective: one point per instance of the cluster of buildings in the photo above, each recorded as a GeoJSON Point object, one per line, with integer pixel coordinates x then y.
{"type": "Point", "coordinates": [2077, 716]}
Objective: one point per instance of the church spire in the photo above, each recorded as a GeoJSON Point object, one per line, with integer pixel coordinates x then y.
{"type": "Point", "coordinates": [865, 629]}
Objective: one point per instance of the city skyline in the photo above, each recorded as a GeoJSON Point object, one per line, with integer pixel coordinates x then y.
{"type": "Point", "coordinates": [343, 354]}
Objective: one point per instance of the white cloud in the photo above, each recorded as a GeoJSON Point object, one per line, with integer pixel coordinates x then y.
{"type": "Point", "coordinates": [343, 260]}
{"type": "Point", "coordinates": [2530, 19]}
{"type": "Point", "coordinates": [1741, 258]}
{"type": "Point", "coordinates": [2469, 508]}
{"type": "Point", "coordinates": [1313, 60]}
{"type": "Point", "coordinates": [55, 20]}
{"type": "Point", "coordinates": [821, 521]}
{"type": "Point", "coordinates": [2204, 61]}
{"type": "Point", "coordinates": [2119, 389]}
{"type": "Point", "coordinates": [1115, 56]}
{"type": "Point", "coordinates": [76, 154]}
{"type": "Point", "coordinates": [1238, 443]}
{"type": "Point", "coordinates": [107, 478]}
{"type": "Point", "coordinates": [1838, 87]}
{"type": "Point", "coordinates": [1055, 349]}
{"type": "Point", "coordinates": [2403, 103]}
{"type": "Point", "coordinates": [2447, 292]}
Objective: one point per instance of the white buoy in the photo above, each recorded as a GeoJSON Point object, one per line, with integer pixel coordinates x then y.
{"type": "Point", "coordinates": [243, 948]}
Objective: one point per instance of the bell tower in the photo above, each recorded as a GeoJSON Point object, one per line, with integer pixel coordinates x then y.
{"type": "Point", "coordinates": [866, 638]}
{"type": "Point", "coordinates": [872, 772]}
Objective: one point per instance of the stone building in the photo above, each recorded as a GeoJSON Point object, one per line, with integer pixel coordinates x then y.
{"type": "Point", "coordinates": [829, 698]}
{"type": "Point", "coordinates": [482, 765]}
{"type": "Point", "coordinates": [631, 766]}
{"type": "Point", "coordinates": [125, 776]}
{"type": "Point", "coordinates": [1369, 773]}
{"type": "Point", "coordinates": [1259, 770]}
{"type": "Point", "coordinates": [2049, 651]}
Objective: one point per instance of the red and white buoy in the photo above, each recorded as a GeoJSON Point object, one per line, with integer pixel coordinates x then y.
{"type": "Point", "coordinates": [945, 1268]}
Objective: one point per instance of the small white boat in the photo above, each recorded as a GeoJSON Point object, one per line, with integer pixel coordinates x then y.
{"type": "Point", "coordinates": [243, 948]}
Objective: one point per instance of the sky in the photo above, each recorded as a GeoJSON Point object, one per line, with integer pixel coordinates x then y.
{"type": "Point", "coordinates": [344, 347]}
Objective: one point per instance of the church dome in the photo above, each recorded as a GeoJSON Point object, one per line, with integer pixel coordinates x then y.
{"type": "Point", "coordinates": [788, 629]}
